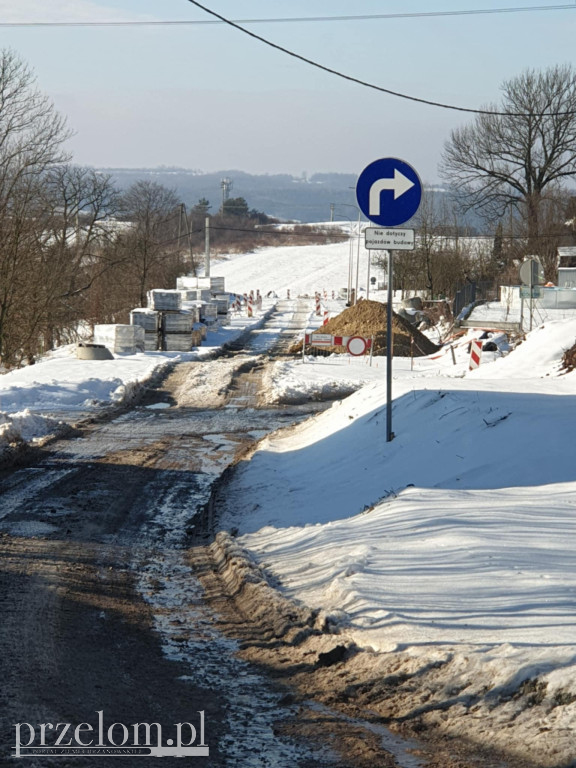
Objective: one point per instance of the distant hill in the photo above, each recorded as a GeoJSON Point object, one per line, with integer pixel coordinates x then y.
{"type": "Point", "coordinates": [279, 195]}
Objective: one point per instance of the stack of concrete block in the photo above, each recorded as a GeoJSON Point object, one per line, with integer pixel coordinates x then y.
{"type": "Point", "coordinates": [121, 339]}
{"type": "Point", "coordinates": [196, 294]}
{"type": "Point", "coordinates": [208, 313]}
{"type": "Point", "coordinates": [185, 282]}
{"type": "Point", "coordinates": [222, 301]}
{"type": "Point", "coordinates": [193, 307]}
{"type": "Point", "coordinates": [180, 322]}
{"type": "Point", "coordinates": [177, 331]}
{"type": "Point", "coordinates": [217, 284]}
{"type": "Point", "coordinates": [164, 300]}
{"type": "Point", "coordinates": [177, 342]}
{"type": "Point", "coordinates": [149, 320]}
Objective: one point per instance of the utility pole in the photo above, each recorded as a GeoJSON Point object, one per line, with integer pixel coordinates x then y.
{"type": "Point", "coordinates": [207, 247]}
{"type": "Point", "coordinates": [182, 209]}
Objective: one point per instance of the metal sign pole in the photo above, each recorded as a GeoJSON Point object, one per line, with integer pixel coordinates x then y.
{"type": "Point", "coordinates": [531, 294]}
{"type": "Point", "coordinates": [389, 351]}
{"type": "Point", "coordinates": [389, 192]}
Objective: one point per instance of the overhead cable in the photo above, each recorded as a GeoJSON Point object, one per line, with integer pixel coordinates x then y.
{"type": "Point", "coordinates": [366, 84]}
{"type": "Point", "coordinates": [292, 19]}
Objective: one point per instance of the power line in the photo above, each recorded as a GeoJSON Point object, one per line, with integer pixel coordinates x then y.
{"type": "Point", "coordinates": [293, 19]}
{"type": "Point", "coordinates": [366, 84]}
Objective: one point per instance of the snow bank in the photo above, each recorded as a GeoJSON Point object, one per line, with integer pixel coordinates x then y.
{"type": "Point", "coordinates": [540, 355]}
{"type": "Point", "coordinates": [454, 545]}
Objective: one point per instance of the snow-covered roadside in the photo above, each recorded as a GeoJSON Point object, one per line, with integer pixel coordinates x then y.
{"type": "Point", "coordinates": [37, 400]}
{"type": "Point", "coordinates": [451, 549]}
{"type": "Point", "coordinates": [312, 378]}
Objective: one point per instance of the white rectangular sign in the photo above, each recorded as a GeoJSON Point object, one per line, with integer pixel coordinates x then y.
{"type": "Point", "coordinates": [391, 239]}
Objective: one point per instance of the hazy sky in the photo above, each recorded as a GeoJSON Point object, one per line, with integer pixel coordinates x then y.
{"type": "Point", "coordinates": [211, 98]}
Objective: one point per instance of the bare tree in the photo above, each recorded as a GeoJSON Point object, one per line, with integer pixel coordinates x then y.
{"type": "Point", "coordinates": [73, 225]}
{"type": "Point", "coordinates": [31, 141]}
{"type": "Point", "coordinates": [509, 161]}
{"type": "Point", "coordinates": [440, 261]}
{"type": "Point", "coordinates": [153, 211]}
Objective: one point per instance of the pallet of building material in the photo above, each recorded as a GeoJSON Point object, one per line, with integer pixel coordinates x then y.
{"type": "Point", "coordinates": [193, 308]}
{"type": "Point", "coordinates": [119, 338]}
{"type": "Point", "coordinates": [145, 318]}
{"type": "Point", "coordinates": [196, 294]}
{"type": "Point", "coordinates": [217, 284]}
{"type": "Point", "coordinates": [208, 313]}
{"type": "Point", "coordinates": [180, 322]}
{"type": "Point", "coordinates": [151, 342]}
{"type": "Point", "coordinates": [222, 301]}
{"type": "Point", "coordinates": [177, 342]}
{"type": "Point", "coordinates": [188, 294]}
{"type": "Point", "coordinates": [164, 300]}
{"type": "Point", "coordinates": [185, 282]}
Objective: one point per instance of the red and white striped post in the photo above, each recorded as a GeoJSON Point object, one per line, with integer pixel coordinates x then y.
{"type": "Point", "coordinates": [249, 306]}
{"type": "Point", "coordinates": [318, 305]}
{"type": "Point", "coordinates": [475, 354]}
{"type": "Point", "coordinates": [326, 316]}
{"type": "Point", "coordinates": [258, 299]}
{"type": "Point", "coordinates": [238, 304]}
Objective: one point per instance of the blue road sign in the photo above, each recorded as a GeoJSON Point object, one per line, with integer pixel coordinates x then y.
{"type": "Point", "coordinates": [389, 192]}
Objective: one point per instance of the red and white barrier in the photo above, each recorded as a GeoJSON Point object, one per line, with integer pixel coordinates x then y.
{"type": "Point", "coordinates": [326, 317]}
{"type": "Point", "coordinates": [355, 345]}
{"type": "Point", "coordinates": [475, 354]}
{"type": "Point", "coordinates": [249, 306]}
{"type": "Point", "coordinates": [318, 305]}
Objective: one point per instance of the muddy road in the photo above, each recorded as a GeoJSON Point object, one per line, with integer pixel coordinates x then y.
{"type": "Point", "coordinates": [103, 617]}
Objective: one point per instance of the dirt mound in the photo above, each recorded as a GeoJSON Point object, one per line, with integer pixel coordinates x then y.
{"type": "Point", "coordinates": [569, 359]}
{"type": "Point", "coordinates": [368, 318]}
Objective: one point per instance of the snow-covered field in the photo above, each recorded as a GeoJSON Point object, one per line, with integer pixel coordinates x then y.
{"type": "Point", "coordinates": [298, 269]}
{"type": "Point", "coordinates": [457, 538]}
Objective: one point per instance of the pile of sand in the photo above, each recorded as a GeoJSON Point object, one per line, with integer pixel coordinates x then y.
{"type": "Point", "coordinates": [569, 359]}
{"type": "Point", "coordinates": [368, 319]}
